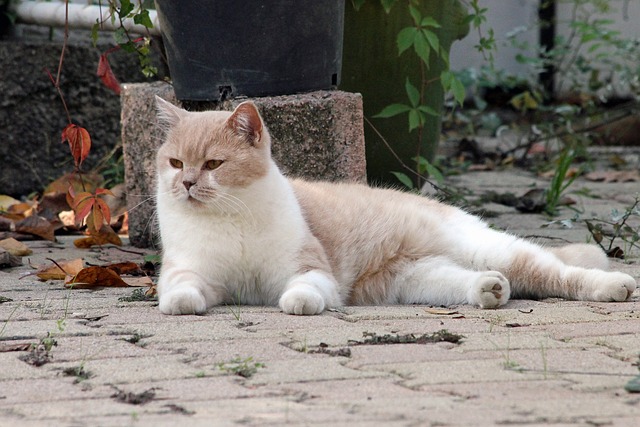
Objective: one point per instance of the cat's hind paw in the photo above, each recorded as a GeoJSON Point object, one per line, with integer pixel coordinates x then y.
{"type": "Point", "coordinates": [184, 300]}
{"type": "Point", "coordinates": [302, 299]}
{"type": "Point", "coordinates": [614, 286]}
{"type": "Point", "coordinates": [490, 290]}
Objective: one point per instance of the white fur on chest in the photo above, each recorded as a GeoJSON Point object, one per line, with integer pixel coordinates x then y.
{"type": "Point", "coordinates": [252, 251]}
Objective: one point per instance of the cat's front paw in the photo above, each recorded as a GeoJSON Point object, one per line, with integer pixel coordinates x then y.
{"type": "Point", "coordinates": [302, 299]}
{"type": "Point", "coordinates": [614, 286]}
{"type": "Point", "coordinates": [490, 290]}
{"type": "Point", "coordinates": [186, 300]}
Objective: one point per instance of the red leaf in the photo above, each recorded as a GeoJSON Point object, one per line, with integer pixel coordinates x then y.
{"type": "Point", "coordinates": [106, 74]}
{"type": "Point", "coordinates": [79, 142]}
{"type": "Point", "coordinates": [104, 208]}
{"type": "Point", "coordinates": [82, 205]}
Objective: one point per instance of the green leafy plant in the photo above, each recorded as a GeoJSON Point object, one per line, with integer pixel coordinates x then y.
{"type": "Point", "coordinates": [245, 368]}
{"type": "Point", "coordinates": [560, 181]}
{"type": "Point", "coordinates": [608, 233]}
{"type": "Point", "coordinates": [118, 13]}
{"type": "Point", "coordinates": [423, 40]}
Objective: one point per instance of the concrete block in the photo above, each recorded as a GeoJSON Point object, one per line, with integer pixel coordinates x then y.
{"type": "Point", "coordinates": [317, 135]}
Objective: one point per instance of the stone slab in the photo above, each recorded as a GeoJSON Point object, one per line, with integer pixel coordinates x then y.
{"type": "Point", "coordinates": [317, 135]}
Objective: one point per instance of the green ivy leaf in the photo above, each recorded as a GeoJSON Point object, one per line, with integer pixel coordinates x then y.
{"type": "Point", "coordinates": [422, 49]}
{"type": "Point", "coordinates": [428, 110]}
{"type": "Point", "coordinates": [412, 93]}
{"type": "Point", "coordinates": [94, 33]}
{"type": "Point", "coordinates": [428, 21]}
{"type": "Point", "coordinates": [126, 7]}
{"type": "Point", "coordinates": [415, 14]}
{"type": "Point", "coordinates": [392, 110]}
{"type": "Point", "coordinates": [414, 120]}
{"type": "Point", "coordinates": [404, 179]}
{"type": "Point", "coordinates": [388, 4]}
{"type": "Point", "coordinates": [433, 39]}
{"type": "Point", "coordinates": [445, 78]}
{"type": "Point", "coordinates": [458, 90]}
{"type": "Point", "coordinates": [405, 39]}
{"type": "Point", "coordinates": [120, 35]}
{"type": "Point", "coordinates": [143, 19]}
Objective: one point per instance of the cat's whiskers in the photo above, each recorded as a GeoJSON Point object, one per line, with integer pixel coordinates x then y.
{"type": "Point", "coordinates": [239, 207]}
{"type": "Point", "coordinates": [148, 197]}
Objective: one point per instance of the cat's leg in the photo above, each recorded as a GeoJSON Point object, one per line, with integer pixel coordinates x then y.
{"type": "Point", "coordinates": [538, 273]}
{"type": "Point", "coordinates": [181, 291]}
{"type": "Point", "coordinates": [310, 293]}
{"type": "Point", "coordinates": [574, 272]}
{"type": "Point", "coordinates": [439, 281]}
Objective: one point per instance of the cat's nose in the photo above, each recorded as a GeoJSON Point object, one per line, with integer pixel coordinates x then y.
{"type": "Point", "coordinates": [188, 184]}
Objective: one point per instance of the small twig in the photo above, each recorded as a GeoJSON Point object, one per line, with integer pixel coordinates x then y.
{"type": "Point", "coordinates": [128, 251]}
{"type": "Point", "coordinates": [58, 265]}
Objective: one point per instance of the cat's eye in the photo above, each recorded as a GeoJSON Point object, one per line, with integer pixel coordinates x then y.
{"type": "Point", "coordinates": [213, 164]}
{"type": "Point", "coordinates": [175, 163]}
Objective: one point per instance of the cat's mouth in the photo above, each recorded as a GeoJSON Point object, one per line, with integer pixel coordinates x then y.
{"type": "Point", "coordinates": [192, 201]}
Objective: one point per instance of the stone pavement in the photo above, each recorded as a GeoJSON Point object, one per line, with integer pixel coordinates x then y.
{"type": "Point", "coordinates": [119, 363]}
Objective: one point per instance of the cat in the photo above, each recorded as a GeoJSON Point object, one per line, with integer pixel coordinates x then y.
{"type": "Point", "coordinates": [235, 230]}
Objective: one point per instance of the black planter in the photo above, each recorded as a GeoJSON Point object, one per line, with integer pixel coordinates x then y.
{"type": "Point", "coordinates": [220, 49]}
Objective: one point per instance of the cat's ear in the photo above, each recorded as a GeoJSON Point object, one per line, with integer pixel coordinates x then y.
{"type": "Point", "coordinates": [168, 113]}
{"type": "Point", "coordinates": [246, 122]}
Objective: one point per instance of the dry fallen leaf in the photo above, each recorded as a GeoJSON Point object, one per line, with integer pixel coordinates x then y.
{"type": "Point", "coordinates": [152, 291]}
{"type": "Point", "coordinates": [15, 347]}
{"type": "Point", "coordinates": [91, 277]}
{"type": "Point", "coordinates": [125, 268]}
{"type": "Point", "coordinates": [60, 269]}
{"type": "Point", "coordinates": [6, 201]}
{"type": "Point", "coordinates": [105, 236]}
{"type": "Point", "coordinates": [14, 247]}
{"type": "Point", "coordinates": [36, 226]}
{"type": "Point", "coordinates": [8, 260]}
{"type": "Point", "coordinates": [86, 182]}
{"type": "Point", "coordinates": [440, 311]}
{"type": "Point", "coordinates": [571, 172]}
{"type": "Point", "coordinates": [142, 282]}
{"type": "Point", "coordinates": [20, 210]}
{"type": "Point", "coordinates": [614, 176]}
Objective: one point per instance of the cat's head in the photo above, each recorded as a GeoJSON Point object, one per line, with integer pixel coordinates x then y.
{"type": "Point", "coordinates": [207, 155]}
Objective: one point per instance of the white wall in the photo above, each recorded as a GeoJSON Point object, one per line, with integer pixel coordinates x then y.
{"type": "Point", "coordinates": [504, 16]}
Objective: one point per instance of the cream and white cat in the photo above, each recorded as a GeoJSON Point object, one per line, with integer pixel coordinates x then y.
{"type": "Point", "coordinates": [235, 230]}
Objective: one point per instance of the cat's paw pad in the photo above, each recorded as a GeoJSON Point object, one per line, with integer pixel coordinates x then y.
{"type": "Point", "coordinates": [302, 299]}
{"type": "Point", "coordinates": [490, 290]}
{"type": "Point", "coordinates": [614, 286]}
{"type": "Point", "coordinates": [183, 301]}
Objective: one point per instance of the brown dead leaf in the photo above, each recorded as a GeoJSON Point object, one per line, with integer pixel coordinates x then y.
{"type": "Point", "coordinates": [18, 211]}
{"type": "Point", "coordinates": [614, 176]}
{"type": "Point", "coordinates": [142, 282]}
{"type": "Point", "coordinates": [60, 269]}
{"type": "Point", "coordinates": [36, 226]}
{"type": "Point", "coordinates": [105, 236]}
{"type": "Point", "coordinates": [152, 291]}
{"type": "Point", "coordinates": [91, 277]}
{"type": "Point", "coordinates": [51, 204]}
{"type": "Point", "coordinates": [6, 201]}
{"type": "Point", "coordinates": [15, 347]}
{"type": "Point", "coordinates": [15, 248]}
{"type": "Point", "coordinates": [571, 172]}
{"type": "Point", "coordinates": [6, 224]}
{"type": "Point", "coordinates": [440, 311]}
{"type": "Point", "coordinates": [121, 268]}
{"type": "Point", "coordinates": [8, 260]}
{"type": "Point", "coordinates": [91, 181]}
